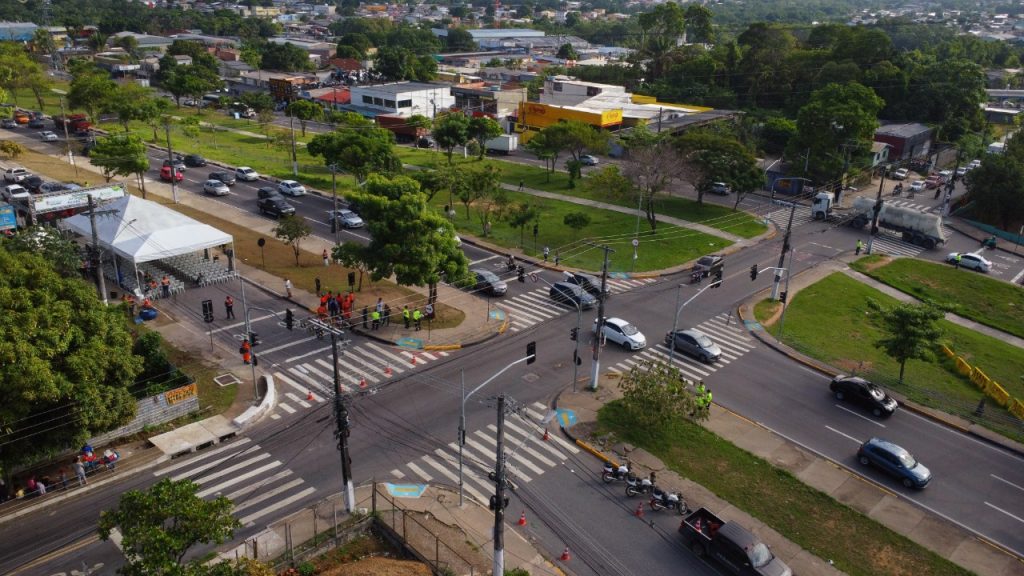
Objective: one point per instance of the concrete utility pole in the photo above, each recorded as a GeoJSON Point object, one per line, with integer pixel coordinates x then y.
{"type": "Point", "coordinates": [67, 140]}
{"type": "Point", "coordinates": [877, 211]}
{"type": "Point", "coordinates": [340, 416]}
{"type": "Point", "coordinates": [499, 493]}
{"type": "Point", "coordinates": [295, 158]}
{"type": "Point", "coordinates": [170, 158]}
{"type": "Point", "coordinates": [97, 257]}
{"type": "Point", "coordinates": [595, 369]}
{"type": "Point", "coordinates": [785, 249]}
{"type": "Point", "coordinates": [334, 192]}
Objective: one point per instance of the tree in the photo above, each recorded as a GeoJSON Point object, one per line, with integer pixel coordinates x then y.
{"type": "Point", "coordinates": [69, 373]}
{"type": "Point", "coordinates": [910, 331]}
{"type": "Point", "coordinates": [11, 149]}
{"type": "Point", "coordinates": [651, 165]}
{"type": "Point", "coordinates": [460, 40]}
{"type": "Point", "coordinates": [160, 525]}
{"type": "Point", "coordinates": [409, 240]}
{"type": "Point", "coordinates": [305, 110]}
{"type": "Point", "coordinates": [709, 157]}
{"type": "Point", "coordinates": [483, 129]}
{"type": "Point", "coordinates": [546, 149]}
{"type": "Point", "coordinates": [61, 252]}
{"type": "Point", "coordinates": [292, 230]}
{"type": "Point", "coordinates": [131, 101]}
{"type": "Point", "coordinates": [191, 80]}
{"type": "Point", "coordinates": [358, 42]}
{"type": "Point", "coordinates": [401, 63]}
{"type": "Point", "coordinates": [450, 131]}
{"type": "Point", "coordinates": [285, 57]}
{"type": "Point", "coordinates": [90, 89]}
{"type": "Point", "coordinates": [120, 155]}
{"type": "Point", "coordinates": [42, 42]}
{"type": "Point", "coordinates": [576, 138]}
{"type": "Point", "coordinates": [997, 188]}
{"type": "Point", "coordinates": [577, 221]}
{"type": "Point", "coordinates": [567, 52]}
{"type": "Point", "coordinates": [358, 151]}
{"type": "Point", "coordinates": [522, 214]}
{"type": "Point", "coordinates": [258, 101]}
{"type": "Point", "coordinates": [654, 393]}
{"type": "Point", "coordinates": [97, 41]}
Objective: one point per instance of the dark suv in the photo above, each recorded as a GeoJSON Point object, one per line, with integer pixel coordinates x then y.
{"type": "Point", "coordinates": [225, 177]}
{"type": "Point", "coordinates": [275, 206]}
{"type": "Point", "coordinates": [709, 265]}
{"type": "Point", "coordinates": [195, 160]}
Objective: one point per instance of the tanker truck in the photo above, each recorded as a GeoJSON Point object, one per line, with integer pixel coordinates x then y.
{"type": "Point", "coordinates": [917, 227]}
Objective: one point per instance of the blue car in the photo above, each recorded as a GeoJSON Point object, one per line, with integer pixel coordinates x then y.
{"type": "Point", "coordinates": [571, 294]}
{"type": "Point", "coordinates": [895, 461]}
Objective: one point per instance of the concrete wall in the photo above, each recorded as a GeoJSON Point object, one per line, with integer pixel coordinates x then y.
{"type": "Point", "coordinates": [156, 410]}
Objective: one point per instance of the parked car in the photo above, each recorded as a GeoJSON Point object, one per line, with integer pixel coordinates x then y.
{"type": "Point", "coordinates": [588, 160]}
{"type": "Point", "coordinates": [971, 261]}
{"type": "Point", "coordinates": [566, 293]}
{"type": "Point", "coordinates": [720, 188]}
{"type": "Point", "coordinates": [246, 174]}
{"type": "Point", "coordinates": [36, 123]}
{"type": "Point", "coordinates": [16, 174]}
{"type": "Point", "coordinates": [275, 206]}
{"type": "Point", "coordinates": [165, 174]}
{"type": "Point", "coordinates": [178, 163]}
{"type": "Point", "coordinates": [13, 192]}
{"type": "Point", "coordinates": [695, 343]}
{"type": "Point", "coordinates": [48, 136]}
{"type": "Point", "coordinates": [32, 183]}
{"type": "Point", "coordinates": [589, 282]}
{"type": "Point", "coordinates": [194, 160]}
{"type": "Point", "coordinates": [961, 171]}
{"type": "Point", "coordinates": [346, 218]}
{"type": "Point", "coordinates": [216, 188]}
{"type": "Point", "coordinates": [933, 181]}
{"type": "Point", "coordinates": [291, 188]}
{"type": "Point", "coordinates": [895, 461]}
{"type": "Point", "coordinates": [47, 187]}
{"type": "Point", "coordinates": [266, 192]}
{"type": "Point", "coordinates": [225, 177]}
{"type": "Point", "coordinates": [425, 142]}
{"type": "Point", "coordinates": [917, 186]}
{"type": "Point", "coordinates": [856, 390]}
{"type": "Point", "coordinates": [900, 174]}
{"type": "Point", "coordinates": [8, 123]}
{"type": "Point", "coordinates": [944, 176]}
{"type": "Point", "coordinates": [974, 164]}
{"type": "Point", "coordinates": [487, 282]}
{"type": "Point", "coordinates": [623, 333]}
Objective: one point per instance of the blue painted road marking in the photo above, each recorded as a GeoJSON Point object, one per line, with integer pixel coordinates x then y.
{"type": "Point", "coordinates": [405, 490]}
{"type": "Point", "coordinates": [497, 314]}
{"type": "Point", "coordinates": [410, 343]}
{"type": "Point", "coordinates": [566, 418]}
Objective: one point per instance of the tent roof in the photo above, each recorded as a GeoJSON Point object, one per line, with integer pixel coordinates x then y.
{"type": "Point", "coordinates": [141, 231]}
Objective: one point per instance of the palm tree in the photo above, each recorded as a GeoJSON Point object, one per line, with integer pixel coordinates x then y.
{"type": "Point", "coordinates": [42, 42]}
{"type": "Point", "coordinates": [98, 41]}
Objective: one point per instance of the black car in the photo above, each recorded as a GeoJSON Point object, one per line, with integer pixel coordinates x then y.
{"type": "Point", "coordinates": [859, 391]}
{"type": "Point", "coordinates": [225, 177]}
{"type": "Point", "coordinates": [566, 293]}
{"type": "Point", "coordinates": [589, 282]}
{"type": "Point", "coordinates": [266, 192]}
{"type": "Point", "coordinates": [487, 282]}
{"type": "Point", "coordinates": [424, 142]}
{"type": "Point", "coordinates": [709, 265]}
{"type": "Point", "coordinates": [32, 183]}
{"type": "Point", "coordinates": [275, 206]}
{"type": "Point", "coordinates": [194, 160]}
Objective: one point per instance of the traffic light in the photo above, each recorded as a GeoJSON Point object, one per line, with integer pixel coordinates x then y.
{"type": "Point", "coordinates": [208, 310]}
{"type": "Point", "coordinates": [254, 339]}
{"type": "Point", "coordinates": [753, 272]}
{"type": "Point", "coordinates": [718, 280]}
{"type": "Point", "coordinates": [289, 319]}
{"type": "Point", "coordinates": [782, 297]}
{"type": "Point", "coordinates": [351, 279]}
{"type": "Point", "coordinates": [531, 352]}
{"type": "Point", "coordinates": [574, 333]}
{"type": "Point", "coordinates": [522, 274]}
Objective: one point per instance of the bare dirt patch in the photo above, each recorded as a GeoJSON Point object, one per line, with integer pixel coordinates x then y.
{"type": "Point", "coordinates": [377, 566]}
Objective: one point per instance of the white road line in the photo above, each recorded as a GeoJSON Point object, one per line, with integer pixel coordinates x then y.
{"type": "Point", "coordinates": [263, 495]}
{"type": "Point", "coordinates": [329, 375]}
{"type": "Point", "coordinates": [397, 473]}
{"type": "Point", "coordinates": [514, 445]}
{"type": "Point", "coordinates": [206, 454]}
{"type": "Point", "coordinates": [299, 372]}
{"type": "Point", "coordinates": [1007, 482]}
{"type": "Point", "coordinates": [394, 357]}
{"type": "Point", "coordinates": [307, 354]}
{"type": "Point", "coordinates": [286, 407]}
{"type": "Point", "coordinates": [355, 370]}
{"type": "Point", "coordinates": [475, 262]}
{"type": "Point", "coordinates": [419, 472]}
{"type": "Point", "coordinates": [373, 369]}
{"type": "Point", "coordinates": [217, 462]}
{"type": "Point", "coordinates": [302, 389]}
{"type": "Point", "coordinates": [240, 324]}
{"type": "Point", "coordinates": [452, 477]}
{"type": "Point", "coordinates": [213, 476]}
{"type": "Point", "coordinates": [522, 442]}
{"type": "Point", "coordinates": [277, 506]}
{"type": "Point", "coordinates": [291, 396]}
{"type": "Point", "coordinates": [237, 479]}
{"type": "Point", "coordinates": [288, 345]}
{"type": "Point", "coordinates": [482, 453]}
{"type": "Point", "coordinates": [844, 435]}
{"type": "Point", "coordinates": [845, 409]}
{"type": "Point", "coordinates": [561, 443]}
{"type": "Point", "coordinates": [493, 446]}
{"type": "Point", "coordinates": [998, 509]}
{"type": "Point", "coordinates": [524, 311]}
{"type": "Point", "coordinates": [428, 355]}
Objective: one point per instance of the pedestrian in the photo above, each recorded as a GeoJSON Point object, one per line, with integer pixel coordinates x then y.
{"type": "Point", "coordinates": [860, 246]}
{"type": "Point", "coordinates": [405, 315]}
{"type": "Point", "coordinates": [956, 260]}
{"type": "Point", "coordinates": [387, 315]}
{"type": "Point", "coordinates": [327, 260]}
{"type": "Point", "coordinates": [79, 471]}
{"type": "Point", "coordinates": [63, 472]}
{"type": "Point", "coordinates": [317, 281]}
{"type": "Point", "coordinates": [366, 315]}
{"type": "Point", "coordinates": [379, 307]}
{"type": "Point", "coordinates": [130, 300]}
{"type": "Point", "coordinates": [546, 252]}
{"type": "Point", "coordinates": [110, 459]}
{"type": "Point", "coordinates": [429, 311]}
{"type": "Point", "coordinates": [229, 307]}
{"type": "Point", "coordinates": [520, 184]}
{"type": "Point", "coordinates": [333, 308]}
{"type": "Point", "coordinates": [246, 351]}
{"type": "Point", "coordinates": [556, 257]}
{"type": "Point", "coordinates": [375, 318]}
{"type": "Point", "coordinates": [417, 317]}
{"type": "Point", "coordinates": [165, 286]}
{"type": "Point", "coordinates": [41, 486]}
{"type": "Point", "coordinates": [288, 287]}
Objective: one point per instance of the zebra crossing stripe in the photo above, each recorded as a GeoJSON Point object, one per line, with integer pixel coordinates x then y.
{"type": "Point", "coordinates": [265, 482]}
{"type": "Point", "coordinates": [522, 442]}
{"type": "Point", "coordinates": [291, 396]}
{"type": "Point", "coordinates": [230, 469]}
{"type": "Point", "coordinates": [427, 355]}
{"type": "Point", "coordinates": [286, 408]}
{"type": "Point", "coordinates": [419, 472]}
{"type": "Point", "coordinates": [452, 477]}
{"type": "Point", "coordinates": [515, 452]}
{"type": "Point", "coordinates": [544, 445]}
{"type": "Point", "coordinates": [656, 354]}
{"type": "Point", "coordinates": [386, 354]}
{"type": "Point", "coordinates": [545, 303]}
{"type": "Point", "coordinates": [479, 452]}
{"type": "Point", "coordinates": [329, 375]}
{"type": "Point", "coordinates": [396, 473]}
{"type": "Point", "coordinates": [206, 454]}
{"type": "Point", "coordinates": [265, 495]}
{"type": "Point", "coordinates": [554, 437]}
{"type": "Point", "coordinates": [374, 369]}
{"type": "Point", "coordinates": [356, 371]}
{"type": "Point", "coordinates": [530, 313]}
{"type": "Point", "coordinates": [297, 372]}
{"type": "Point", "coordinates": [235, 480]}
{"type": "Point", "coordinates": [212, 463]}
{"type": "Point", "coordinates": [515, 457]}
{"type": "Point", "coordinates": [295, 385]}
{"type": "Point", "coordinates": [277, 506]}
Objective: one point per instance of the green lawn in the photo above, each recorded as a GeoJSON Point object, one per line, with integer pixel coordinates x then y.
{"type": "Point", "coordinates": [511, 172]}
{"type": "Point", "coordinates": [985, 300]}
{"type": "Point", "coordinates": [839, 301]}
{"type": "Point", "coordinates": [671, 245]}
{"type": "Point", "coordinates": [809, 518]}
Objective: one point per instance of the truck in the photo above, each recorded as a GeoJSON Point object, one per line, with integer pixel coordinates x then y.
{"type": "Point", "coordinates": [917, 227]}
{"type": "Point", "coordinates": [73, 122]}
{"type": "Point", "coordinates": [404, 132]}
{"type": "Point", "coordinates": [732, 545]}
{"type": "Point", "coordinates": [502, 144]}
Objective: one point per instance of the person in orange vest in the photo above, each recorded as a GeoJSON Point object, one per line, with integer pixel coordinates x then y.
{"type": "Point", "coordinates": [246, 351]}
{"type": "Point", "coordinates": [146, 303]}
{"type": "Point", "coordinates": [152, 288]}
{"type": "Point", "coordinates": [165, 286]}
{"type": "Point", "coordinates": [229, 307]}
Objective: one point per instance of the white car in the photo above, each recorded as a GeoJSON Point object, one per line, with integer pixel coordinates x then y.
{"type": "Point", "coordinates": [588, 160]}
{"type": "Point", "coordinates": [972, 261]}
{"type": "Point", "coordinates": [247, 174]}
{"type": "Point", "coordinates": [16, 174]}
{"type": "Point", "coordinates": [291, 188]}
{"type": "Point", "coordinates": [622, 333]}
{"type": "Point", "coordinates": [13, 192]}
{"type": "Point", "coordinates": [216, 188]}
{"type": "Point", "coordinates": [917, 186]}
{"type": "Point", "coordinates": [974, 164]}
{"type": "Point", "coordinates": [961, 171]}
{"type": "Point", "coordinates": [48, 136]}
{"type": "Point", "coordinates": [900, 174]}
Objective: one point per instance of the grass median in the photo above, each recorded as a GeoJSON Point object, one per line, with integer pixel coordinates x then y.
{"type": "Point", "coordinates": [966, 293]}
{"type": "Point", "coordinates": [808, 517]}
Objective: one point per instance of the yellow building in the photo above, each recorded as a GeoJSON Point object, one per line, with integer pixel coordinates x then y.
{"type": "Point", "coordinates": [534, 117]}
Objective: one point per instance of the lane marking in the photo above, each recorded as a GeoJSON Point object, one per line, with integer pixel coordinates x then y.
{"type": "Point", "coordinates": [847, 410]}
{"type": "Point", "coordinates": [203, 456]}
{"type": "Point", "coordinates": [998, 509]}
{"type": "Point", "coordinates": [1007, 482]}
{"type": "Point", "coordinates": [277, 506]}
{"type": "Point", "coordinates": [844, 435]}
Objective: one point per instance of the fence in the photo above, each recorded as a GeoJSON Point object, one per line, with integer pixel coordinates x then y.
{"type": "Point", "coordinates": [990, 387]}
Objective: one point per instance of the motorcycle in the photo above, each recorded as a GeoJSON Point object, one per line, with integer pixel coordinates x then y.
{"type": "Point", "coordinates": [669, 501]}
{"type": "Point", "coordinates": [636, 486]}
{"type": "Point", "coordinates": [897, 190]}
{"type": "Point", "coordinates": [989, 243]}
{"type": "Point", "coordinates": [610, 473]}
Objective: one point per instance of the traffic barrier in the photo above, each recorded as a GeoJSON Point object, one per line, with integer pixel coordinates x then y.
{"type": "Point", "coordinates": [522, 519]}
{"type": "Point", "coordinates": [990, 387]}
{"type": "Point", "coordinates": [565, 555]}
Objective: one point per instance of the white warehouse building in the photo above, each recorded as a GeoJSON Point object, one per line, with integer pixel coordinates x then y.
{"type": "Point", "coordinates": [403, 98]}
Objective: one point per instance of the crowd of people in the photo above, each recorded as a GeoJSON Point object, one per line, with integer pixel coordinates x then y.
{"type": "Point", "coordinates": [63, 478]}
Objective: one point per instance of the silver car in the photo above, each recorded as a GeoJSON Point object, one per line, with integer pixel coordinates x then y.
{"type": "Point", "coordinates": [695, 343]}
{"type": "Point", "coordinates": [216, 188]}
{"type": "Point", "coordinates": [623, 333]}
{"type": "Point", "coordinates": [291, 188]}
{"type": "Point", "coordinates": [347, 219]}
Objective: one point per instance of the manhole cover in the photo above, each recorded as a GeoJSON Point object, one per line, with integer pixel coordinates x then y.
{"type": "Point", "coordinates": [226, 380]}
{"type": "Point", "coordinates": [531, 377]}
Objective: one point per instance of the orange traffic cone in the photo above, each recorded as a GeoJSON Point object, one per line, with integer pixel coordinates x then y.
{"type": "Point", "coordinates": [362, 382]}
{"type": "Point", "coordinates": [546, 435]}
{"type": "Point", "coordinates": [387, 371]}
{"type": "Point", "coordinates": [640, 510]}
{"type": "Point", "coordinates": [565, 555]}
{"type": "Point", "coordinates": [309, 395]}
{"type": "Point", "coordinates": [413, 360]}
{"type": "Point", "coordinates": [522, 519]}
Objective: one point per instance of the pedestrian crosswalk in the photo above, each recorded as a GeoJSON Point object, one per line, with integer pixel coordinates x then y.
{"type": "Point", "coordinates": [528, 455]}
{"type": "Point", "coordinates": [255, 482]}
{"type": "Point", "coordinates": [722, 329]}
{"type": "Point", "coordinates": [309, 379]}
{"type": "Point", "coordinates": [536, 306]}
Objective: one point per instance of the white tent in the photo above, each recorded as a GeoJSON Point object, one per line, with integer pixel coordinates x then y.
{"type": "Point", "coordinates": [141, 231]}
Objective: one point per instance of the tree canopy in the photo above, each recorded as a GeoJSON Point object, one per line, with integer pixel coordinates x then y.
{"type": "Point", "coordinates": [358, 151]}
{"type": "Point", "coordinates": [451, 130]}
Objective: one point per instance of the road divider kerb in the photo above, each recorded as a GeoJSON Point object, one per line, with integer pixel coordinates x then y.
{"type": "Point", "coordinates": [442, 347]}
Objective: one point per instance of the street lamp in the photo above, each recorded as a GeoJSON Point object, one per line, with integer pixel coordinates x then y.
{"type": "Point", "coordinates": [675, 320]}
{"type": "Point", "coordinates": [67, 139]}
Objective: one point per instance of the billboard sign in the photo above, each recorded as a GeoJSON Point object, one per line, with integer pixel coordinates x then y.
{"type": "Point", "coordinates": [76, 199]}
{"type": "Point", "coordinates": [8, 220]}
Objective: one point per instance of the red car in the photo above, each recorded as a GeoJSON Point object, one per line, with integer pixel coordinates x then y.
{"type": "Point", "coordinates": [165, 174]}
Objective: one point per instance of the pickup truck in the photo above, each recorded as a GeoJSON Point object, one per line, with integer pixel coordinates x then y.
{"type": "Point", "coordinates": [732, 545]}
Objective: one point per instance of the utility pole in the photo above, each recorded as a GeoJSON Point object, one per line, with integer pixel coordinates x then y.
{"type": "Point", "coordinates": [785, 249]}
{"type": "Point", "coordinates": [67, 139]}
{"type": "Point", "coordinates": [97, 258]}
{"type": "Point", "coordinates": [334, 192]}
{"type": "Point", "coordinates": [595, 369]}
{"type": "Point", "coordinates": [877, 211]}
{"type": "Point", "coordinates": [499, 493]}
{"type": "Point", "coordinates": [340, 416]}
{"type": "Point", "coordinates": [295, 159]}
{"type": "Point", "coordinates": [170, 158]}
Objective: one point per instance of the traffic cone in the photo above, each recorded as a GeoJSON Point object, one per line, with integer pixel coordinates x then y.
{"type": "Point", "coordinates": [546, 435]}
{"type": "Point", "coordinates": [522, 519]}
{"type": "Point", "coordinates": [309, 395]}
{"type": "Point", "coordinates": [362, 382]}
{"type": "Point", "coordinates": [387, 371]}
{"type": "Point", "coordinates": [413, 360]}
{"type": "Point", "coordinates": [565, 555]}
{"type": "Point", "coordinates": [640, 510]}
